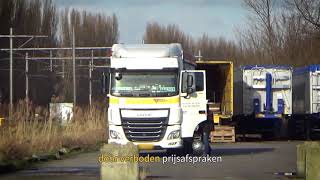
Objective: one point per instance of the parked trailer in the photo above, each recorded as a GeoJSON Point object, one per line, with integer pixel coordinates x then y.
{"type": "Point", "coordinates": [306, 101]}
{"type": "Point", "coordinates": [263, 100]}
{"type": "Point", "coordinates": [219, 79]}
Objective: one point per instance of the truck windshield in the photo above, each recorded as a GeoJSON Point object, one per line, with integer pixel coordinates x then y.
{"type": "Point", "coordinates": [145, 84]}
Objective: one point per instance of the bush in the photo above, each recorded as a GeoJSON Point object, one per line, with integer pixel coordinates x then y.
{"type": "Point", "coordinates": [32, 132]}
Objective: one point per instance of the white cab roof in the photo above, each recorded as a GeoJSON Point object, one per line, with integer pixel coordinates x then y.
{"type": "Point", "coordinates": [146, 50]}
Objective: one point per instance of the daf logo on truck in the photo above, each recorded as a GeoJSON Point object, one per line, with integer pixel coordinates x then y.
{"type": "Point", "coordinates": [159, 100]}
{"type": "Point", "coordinates": [144, 115]}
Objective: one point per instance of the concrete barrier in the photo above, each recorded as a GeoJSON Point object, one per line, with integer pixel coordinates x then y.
{"type": "Point", "coordinates": [308, 160]}
{"type": "Point", "coordinates": [117, 162]}
{"type": "Point", "coordinates": [313, 163]}
{"type": "Point", "coordinates": [301, 160]}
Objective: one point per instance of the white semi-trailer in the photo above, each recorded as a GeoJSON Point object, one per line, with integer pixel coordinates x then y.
{"type": "Point", "coordinates": [263, 99]}
{"type": "Point", "coordinates": [156, 99]}
{"type": "Point", "coordinates": [306, 101]}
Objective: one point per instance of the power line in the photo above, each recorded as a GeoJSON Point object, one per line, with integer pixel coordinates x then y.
{"type": "Point", "coordinates": [11, 36]}
{"type": "Point", "coordinates": [56, 49]}
{"type": "Point", "coordinates": [54, 55]}
{"type": "Point", "coordinates": [69, 58]}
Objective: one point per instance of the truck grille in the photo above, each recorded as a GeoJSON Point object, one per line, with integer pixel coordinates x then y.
{"type": "Point", "coordinates": [145, 129]}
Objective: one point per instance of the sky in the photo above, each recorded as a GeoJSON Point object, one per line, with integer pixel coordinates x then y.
{"type": "Point", "coordinates": [195, 17]}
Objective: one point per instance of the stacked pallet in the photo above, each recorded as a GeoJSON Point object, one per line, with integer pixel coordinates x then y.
{"type": "Point", "coordinates": [223, 134]}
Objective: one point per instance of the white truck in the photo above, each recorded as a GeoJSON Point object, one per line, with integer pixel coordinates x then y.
{"type": "Point", "coordinates": [156, 99]}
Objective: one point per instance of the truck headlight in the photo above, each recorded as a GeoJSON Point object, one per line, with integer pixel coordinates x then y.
{"type": "Point", "coordinates": [174, 135]}
{"type": "Point", "coordinates": [114, 134]}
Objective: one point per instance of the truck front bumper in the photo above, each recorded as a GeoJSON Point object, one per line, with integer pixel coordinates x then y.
{"type": "Point", "coordinates": [163, 144]}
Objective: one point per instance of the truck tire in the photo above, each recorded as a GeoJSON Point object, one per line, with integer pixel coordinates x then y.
{"type": "Point", "coordinates": [201, 146]}
{"type": "Point", "coordinates": [284, 128]}
{"type": "Point", "coordinates": [197, 147]}
{"type": "Point", "coordinates": [277, 129]}
{"type": "Point", "coordinates": [308, 128]}
{"type": "Point", "coordinates": [297, 127]}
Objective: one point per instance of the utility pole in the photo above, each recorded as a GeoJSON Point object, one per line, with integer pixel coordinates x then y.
{"type": "Point", "coordinates": [51, 58]}
{"type": "Point", "coordinates": [11, 75]}
{"type": "Point", "coordinates": [62, 68]}
{"type": "Point", "coordinates": [74, 69]}
{"type": "Point", "coordinates": [27, 78]}
{"type": "Point", "coordinates": [90, 78]}
{"type": "Point", "coordinates": [51, 69]}
{"type": "Point", "coordinates": [27, 84]}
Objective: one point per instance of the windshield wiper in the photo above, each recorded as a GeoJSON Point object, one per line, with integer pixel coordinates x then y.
{"type": "Point", "coordinates": [163, 94]}
{"type": "Point", "coordinates": [144, 94]}
{"type": "Point", "coordinates": [126, 94]}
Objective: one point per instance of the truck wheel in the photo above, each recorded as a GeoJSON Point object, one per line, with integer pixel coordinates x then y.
{"type": "Point", "coordinates": [284, 128]}
{"type": "Point", "coordinates": [197, 147]}
{"type": "Point", "coordinates": [201, 146]}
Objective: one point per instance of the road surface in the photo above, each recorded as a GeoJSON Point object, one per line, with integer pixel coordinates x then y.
{"type": "Point", "coordinates": [240, 161]}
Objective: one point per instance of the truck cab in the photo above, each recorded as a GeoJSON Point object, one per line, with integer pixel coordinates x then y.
{"type": "Point", "coordinates": [156, 98]}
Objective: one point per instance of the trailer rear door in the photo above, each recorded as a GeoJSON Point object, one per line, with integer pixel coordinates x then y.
{"type": "Point", "coordinates": [219, 79]}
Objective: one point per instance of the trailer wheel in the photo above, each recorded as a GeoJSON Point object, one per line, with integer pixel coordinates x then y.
{"type": "Point", "coordinates": [308, 128]}
{"type": "Point", "coordinates": [280, 128]}
{"type": "Point", "coordinates": [297, 127]}
{"type": "Point", "coordinates": [277, 129]}
{"type": "Point", "coordinates": [284, 128]}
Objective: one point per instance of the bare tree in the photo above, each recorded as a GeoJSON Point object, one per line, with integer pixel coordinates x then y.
{"type": "Point", "coordinates": [211, 48]}
{"type": "Point", "coordinates": [156, 33]}
{"type": "Point", "coordinates": [263, 21]}
{"type": "Point", "coordinates": [310, 10]}
{"type": "Point", "coordinates": [43, 17]}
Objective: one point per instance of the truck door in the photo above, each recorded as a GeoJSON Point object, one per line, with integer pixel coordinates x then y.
{"type": "Point", "coordinates": [193, 100]}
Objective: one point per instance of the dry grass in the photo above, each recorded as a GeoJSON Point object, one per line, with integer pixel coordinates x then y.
{"type": "Point", "coordinates": [32, 132]}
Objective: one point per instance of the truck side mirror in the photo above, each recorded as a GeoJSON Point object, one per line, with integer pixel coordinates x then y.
{"type": "Point", "coordinates": [105, 83]}
{"type": "Point", "coordinates": [118, 76]}
{"type": "Point", "coordinates": [189, 81]}
{"type": "Point", "coordinates": [190, 84]}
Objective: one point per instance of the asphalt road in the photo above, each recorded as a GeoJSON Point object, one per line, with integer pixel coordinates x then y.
{"type": "Point", "coordinates": [240, 161]}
